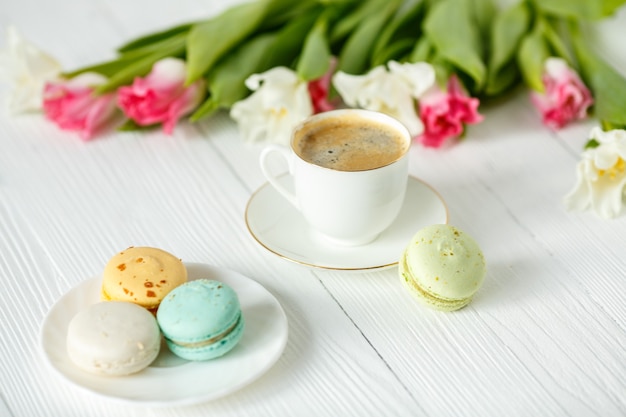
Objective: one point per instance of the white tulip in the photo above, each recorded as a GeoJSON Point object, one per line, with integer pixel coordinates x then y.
{"type": "Point", "coordinates": [279, 102]}
{"type": "Point", "coordinates": [392, 91]}
{"type": "Point", "coordinates": [27, 68]}
{"type": "Point", "coordinates": [601, 175]}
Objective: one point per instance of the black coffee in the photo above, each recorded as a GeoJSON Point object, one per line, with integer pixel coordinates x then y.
{"type": "Point", "coordinates": [349, 143]}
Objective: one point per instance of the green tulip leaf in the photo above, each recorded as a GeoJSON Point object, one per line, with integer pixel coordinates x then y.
{"type": "Point", "coordinates": [394, 51]}
{"type": "Point", "coordinates": [532, 56]}
{"type": "Point", "coordinates": [108, 69]}
{"type": "Point", "coordinates": [142, 66]}
{"type": "Point", "coordinates": [402, 26]}
{"type": "Point", "coordinates": [279, 13]}
{"type": "Point", "coordinates": [557, 45]}
{"type": "Point", "coordinates": [580, 9]}
{"type": "Point", "coordinates": [449, 27]}
{"type": "Point", "coordinates": [397, 51]}
{"type": "Point", "coordinates": [111, 68]}
{"type": "Point", "coordinates": [353, 17]}
{"type": "Point", "coordinates": [154, 38]}
{"type": "Point", "coordinates": [315, 58]}
{"type": "Point", "coordinates": [288, 42]}
{"type": "Point", "coordinates": [507, 32]}
{"type": "Point", "coordinates": [422, 50]}
{"type": "Point", "coordinates": [210, 40]}
{"type": "Point", "coordinates": [355, 55]}
{"type": "Point", "coordinates": [504, 79]}
{"type": "Point", "coordinates": [483, 13]}
{"type": "Point", "coordinates": [608, 86]}
{"type": "Point", "coordinates": [227, 80]}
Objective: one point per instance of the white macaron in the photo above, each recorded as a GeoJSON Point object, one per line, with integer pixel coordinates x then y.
{"type": "Point", "coordinates": [113, 338]}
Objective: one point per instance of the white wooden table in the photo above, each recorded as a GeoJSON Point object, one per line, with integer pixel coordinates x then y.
{"type": "Point", "coordinates": [545, 336]}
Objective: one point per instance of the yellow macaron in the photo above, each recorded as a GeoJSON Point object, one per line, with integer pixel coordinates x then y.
{"type": "Point", "coordinates": [142, 275]}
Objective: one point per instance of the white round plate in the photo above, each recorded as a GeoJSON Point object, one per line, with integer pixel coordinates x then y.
{"type": "Point", "coordinates": [172, 381]}
{"type": "Point", "coordinates": [281, 229]}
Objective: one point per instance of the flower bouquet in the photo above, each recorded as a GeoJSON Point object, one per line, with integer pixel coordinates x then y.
{"type": "Point", "coordinates": [428, 63]}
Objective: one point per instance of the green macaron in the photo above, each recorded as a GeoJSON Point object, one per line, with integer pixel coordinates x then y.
{"type": "Point", "coordinates": [443, 267]}
{"type": "Point", "coordinates": [201, 319]}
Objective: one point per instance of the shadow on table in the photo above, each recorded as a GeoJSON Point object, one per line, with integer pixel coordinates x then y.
{"type": "Point", "coordinates": [515, 282]}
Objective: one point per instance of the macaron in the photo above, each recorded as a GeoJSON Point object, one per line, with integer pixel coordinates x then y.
{"type": "Point", "coordinates": [142, 275]}
{"type": "Point", "coordinates": [443, 267]}
{"type": "Point", "coordinates": [201, 320]}
{"type": "Point", "coordinates": [113, 338]}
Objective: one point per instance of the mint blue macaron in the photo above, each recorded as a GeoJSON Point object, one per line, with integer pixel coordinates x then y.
{"type": "Point", "coordinates": [201, 319]}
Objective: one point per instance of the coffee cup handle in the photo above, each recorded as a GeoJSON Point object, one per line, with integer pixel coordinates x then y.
{"type": "Point", "coordinates": [286, 154]}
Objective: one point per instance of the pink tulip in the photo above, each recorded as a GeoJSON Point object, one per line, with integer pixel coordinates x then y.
{"type": "Point", "coordinates": [566, 97]}
{"type": "Point", "coordinates": [72, 105]}
{"type": "Point", "coordinates": [161, 97]}
{"type": "Point", "coordinates": [444, 114]}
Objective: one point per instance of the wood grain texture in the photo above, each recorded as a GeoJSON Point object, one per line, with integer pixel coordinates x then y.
{"type": "Point", "coordinates": [546, 335]}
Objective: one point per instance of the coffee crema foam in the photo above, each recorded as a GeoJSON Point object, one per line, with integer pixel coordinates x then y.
{"type": "Point", "coordinates": [349, 143]}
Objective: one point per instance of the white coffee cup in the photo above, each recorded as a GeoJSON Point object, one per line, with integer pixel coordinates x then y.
{"type": "Point", "coordinates": [351, 199]}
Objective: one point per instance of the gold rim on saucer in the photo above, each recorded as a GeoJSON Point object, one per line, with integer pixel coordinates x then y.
{"type": "Point", "coordinates": [442, 216]}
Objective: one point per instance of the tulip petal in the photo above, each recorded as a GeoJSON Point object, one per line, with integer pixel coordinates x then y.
{"type": "Point", "coordinates": [392, 91]}
{"type": "Point", "coordinates": [161, 96]}
{"type": "Point", "coordinates": [27, 68]}
{"type": "Point", "coordinates": [601, 175]}
{"type": "Point", "coordinates": [280, 101]}
{"type": "Point", "coordinates": [72, 104]}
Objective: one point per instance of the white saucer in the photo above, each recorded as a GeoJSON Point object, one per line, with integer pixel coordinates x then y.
{"type": "Point", "coordinates": [282, 230]}
{"type": "Point", "coordinates": [172, 381]}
